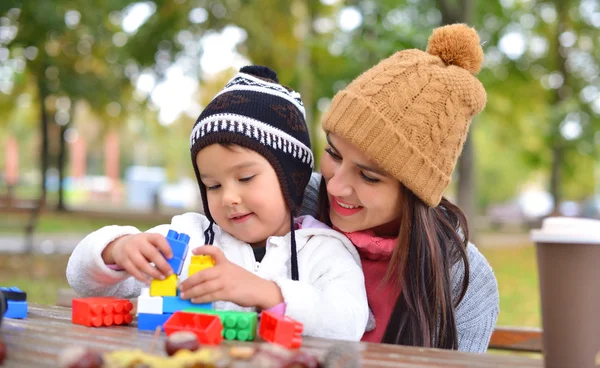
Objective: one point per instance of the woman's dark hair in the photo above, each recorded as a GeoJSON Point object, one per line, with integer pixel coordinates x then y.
{"type": "Point", "coordinates": [430, 241]}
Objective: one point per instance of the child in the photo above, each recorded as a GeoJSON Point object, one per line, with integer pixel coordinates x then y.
{"type": "Point", "coordinates": [250, 149]}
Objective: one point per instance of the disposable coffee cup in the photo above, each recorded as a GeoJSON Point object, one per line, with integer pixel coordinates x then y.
{"type": "Point", "coordinates": [568, 254]}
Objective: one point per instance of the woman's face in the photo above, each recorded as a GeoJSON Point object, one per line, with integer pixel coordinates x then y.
{"type": "Point", "coordinates": [361, 195]}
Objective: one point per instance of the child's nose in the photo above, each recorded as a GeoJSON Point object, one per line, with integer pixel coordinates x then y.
{"type": "Point", "coordinates": [231, 197]}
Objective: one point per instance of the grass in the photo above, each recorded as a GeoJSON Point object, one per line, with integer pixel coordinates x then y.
{"type": "Point", "coordinates": [41, 276]}
{"type": "Point", "coordinates": [56, 223]}
{"type": "Point", "coordinates": [516, 271]}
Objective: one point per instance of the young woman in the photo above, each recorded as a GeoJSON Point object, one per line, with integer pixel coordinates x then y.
{"type": "Point", "coordinates": [394, 136]}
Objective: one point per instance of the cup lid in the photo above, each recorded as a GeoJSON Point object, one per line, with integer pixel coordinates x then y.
{"type": "Point", "coordinates": [567, 230]}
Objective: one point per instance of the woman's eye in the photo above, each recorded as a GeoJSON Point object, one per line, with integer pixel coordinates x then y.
{"type": "Point", "coordinates": [369, 179]}
{"type": "Point", "coordinates": [333, 155]}
{"type": "Point", "coordinates": [213, 187]}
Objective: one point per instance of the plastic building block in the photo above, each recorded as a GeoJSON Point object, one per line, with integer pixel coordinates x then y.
{"type": "Point", "coordinates": [149, 304]}
{"type": "Point", "coordinates": [179, 247]}
{"type": "Point", "coordinates": [172, 304]}
{"type": "Point", "coordinates": [199, 263]}
{"type": "Point", "coordinates": [166, 287]}
{"type": "Point", "coordinates": [102, 311]}
{"type": "Point", "coordinates": [16, 309]}
{"type": "Point", "coordinates": [236, 325]}
{"type": "Point", "coordinates": [149, 322]}
{"type": "Point", "coordinates": [207, 328]}
{"type": "Point", "coordinates": [13, 293]}
{"type": "Point", "coordinates": [280, 330]}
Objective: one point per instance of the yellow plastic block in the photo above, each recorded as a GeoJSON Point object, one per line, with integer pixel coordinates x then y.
{"type": "Point", "coordinates": [199, 263]}
{"type": "Point", "coordinates": [166, 287]}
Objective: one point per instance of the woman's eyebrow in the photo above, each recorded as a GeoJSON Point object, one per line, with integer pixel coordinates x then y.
{"type": "Point", "coordinates": [372, 169]}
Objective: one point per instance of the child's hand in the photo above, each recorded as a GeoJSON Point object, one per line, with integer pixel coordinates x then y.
{"type": "Point", "coordinates": [229, 282]}
{"type": "Point", "coordinates": [134, 253]}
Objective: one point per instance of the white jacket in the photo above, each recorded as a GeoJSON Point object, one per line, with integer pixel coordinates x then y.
{"type": "Point", "coordinates": [329, 299]}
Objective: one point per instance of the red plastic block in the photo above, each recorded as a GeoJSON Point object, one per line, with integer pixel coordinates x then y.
{"type": "Point", "coordinates": [208, 328]}
{"type": "Point", "coordinates": [280, 330]}
{"type": "Point", "coordinates": [102, 311]}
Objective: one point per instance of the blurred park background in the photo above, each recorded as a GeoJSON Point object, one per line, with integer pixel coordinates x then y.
{"type": "Point", "coordinates": [98, 97]}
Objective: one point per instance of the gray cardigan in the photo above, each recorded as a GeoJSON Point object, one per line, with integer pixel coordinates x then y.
{"type": "Point", "coordinates": [477, 313]}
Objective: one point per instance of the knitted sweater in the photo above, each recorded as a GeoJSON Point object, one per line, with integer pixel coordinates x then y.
{"type": "Point", "coordinates": [477, 313]}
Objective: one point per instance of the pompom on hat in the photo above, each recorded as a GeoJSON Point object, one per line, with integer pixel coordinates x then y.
{"type": "Point", "coordinates": [411, 112]}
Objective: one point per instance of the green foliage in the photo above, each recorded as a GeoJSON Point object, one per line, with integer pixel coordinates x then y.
{"type": "Point", "coordinates": [96, 60]}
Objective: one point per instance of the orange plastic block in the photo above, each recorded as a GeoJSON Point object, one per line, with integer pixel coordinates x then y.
{"type": "Point", "coordinates": [208, 328]}
{"type": "Point", "coordinates": [280, 330]}
{"type": "Point", "coordinates": [102, 311]}
{"type": "Point", "coordinates": [199, 263]}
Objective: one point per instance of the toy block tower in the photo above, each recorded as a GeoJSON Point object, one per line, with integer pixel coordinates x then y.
{"type": "Point", "coordinates": [161, 300]}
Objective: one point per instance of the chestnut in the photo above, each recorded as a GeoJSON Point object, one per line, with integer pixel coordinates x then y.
{"type": "Point", "coordinates": [181, 340]}
{"type": "Point", "coordinates": [242, 352]}
{"type": "Point", "coordinates": [80, 357]}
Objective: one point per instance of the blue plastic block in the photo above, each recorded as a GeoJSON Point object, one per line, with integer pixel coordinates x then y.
{"type": "Point", "coordinates": [149, 322]}
{"type": "Point", "coordinates": [14, 293]}
{"type": "Point", "coordinates": [172, 304]}
{"type": "Point", "coordinates": [179, 246]}
{"type": "Point", "coordinates": [17, 310]}
{"type": "Point", "coordinates": [179, 243]}
{"type": "Point", "coordinates": [176, 264]}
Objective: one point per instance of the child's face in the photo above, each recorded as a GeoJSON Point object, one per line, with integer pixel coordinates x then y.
{"type": "Point", "coordinates": [243, 192]}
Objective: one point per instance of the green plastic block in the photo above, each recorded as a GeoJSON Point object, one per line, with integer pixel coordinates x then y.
{"type": "Point", "coordinates": [236, 325]}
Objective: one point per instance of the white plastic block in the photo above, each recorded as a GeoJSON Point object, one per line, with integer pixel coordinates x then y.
{"type": "Point", "coordinates": [149, 304]}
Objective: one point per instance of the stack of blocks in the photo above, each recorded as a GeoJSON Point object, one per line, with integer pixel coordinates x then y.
{"type": "Point", "coordinates": [16, 299]}
{"type": "Point", "coordinates": [161, 306]}
{"type": "Point", "coordinates": [157, 303]}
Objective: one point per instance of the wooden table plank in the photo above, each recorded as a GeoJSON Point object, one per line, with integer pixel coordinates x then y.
{"type": "Point", "coordinates": [38, 340]}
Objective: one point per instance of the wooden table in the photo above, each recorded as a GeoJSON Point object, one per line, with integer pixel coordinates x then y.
{"type": "Point", "coordinates": [38, 340]}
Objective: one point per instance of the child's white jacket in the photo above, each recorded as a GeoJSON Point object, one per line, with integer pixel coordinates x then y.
{"type": "Point", "coordinates": [329, 299]}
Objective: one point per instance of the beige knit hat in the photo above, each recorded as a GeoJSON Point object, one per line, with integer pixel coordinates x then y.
{"type": "Point", "coordinates": [411, 112]}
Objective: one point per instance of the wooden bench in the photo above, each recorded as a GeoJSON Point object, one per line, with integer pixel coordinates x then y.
{"type": "Point", "coordinates": [523, 339]}
{"type": "Point", "coordinates": [504, 338]}
{"type": "Point", "coordinates": [22, 215]}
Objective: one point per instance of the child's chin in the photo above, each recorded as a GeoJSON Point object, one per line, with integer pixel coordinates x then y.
{"type": "Point", "coordinates": [250, 238]}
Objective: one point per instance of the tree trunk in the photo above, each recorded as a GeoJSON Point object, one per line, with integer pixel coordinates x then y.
{"type": "Point", "coordinates": [557, 99]}
{"type": "Point", "coordinates": [465, 185]}
{"type": "Point", "coordinates": [44, 151]}
{"type": "Point", "coordinates": [466, 182]}
{"type": "Point", "coordinates": [555, 177]}
{"type": "Point", "coordinates": [44, 159]}
{"type": "Point", "coordinates": [62, 153]}
{"type": "Point", "coordinates": [306, 79]}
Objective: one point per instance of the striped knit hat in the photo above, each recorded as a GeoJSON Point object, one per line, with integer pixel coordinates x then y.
{"type": "Point", "coordinates": [256, 112]}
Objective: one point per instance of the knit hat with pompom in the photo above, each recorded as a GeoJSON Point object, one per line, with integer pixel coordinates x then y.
{"type": "Point", "coordinates": [411, 112]}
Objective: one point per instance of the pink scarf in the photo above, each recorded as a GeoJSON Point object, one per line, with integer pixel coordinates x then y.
{"type": "Point", "coordinates": [371, 246]}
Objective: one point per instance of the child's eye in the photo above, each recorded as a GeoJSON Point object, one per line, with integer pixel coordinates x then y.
{"type": "Point", "coordinates": [213, 187]}
{"type": "Point", "coordinates": [247, 179]}
{"type": "Point", "coordinates": [333, 155]}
